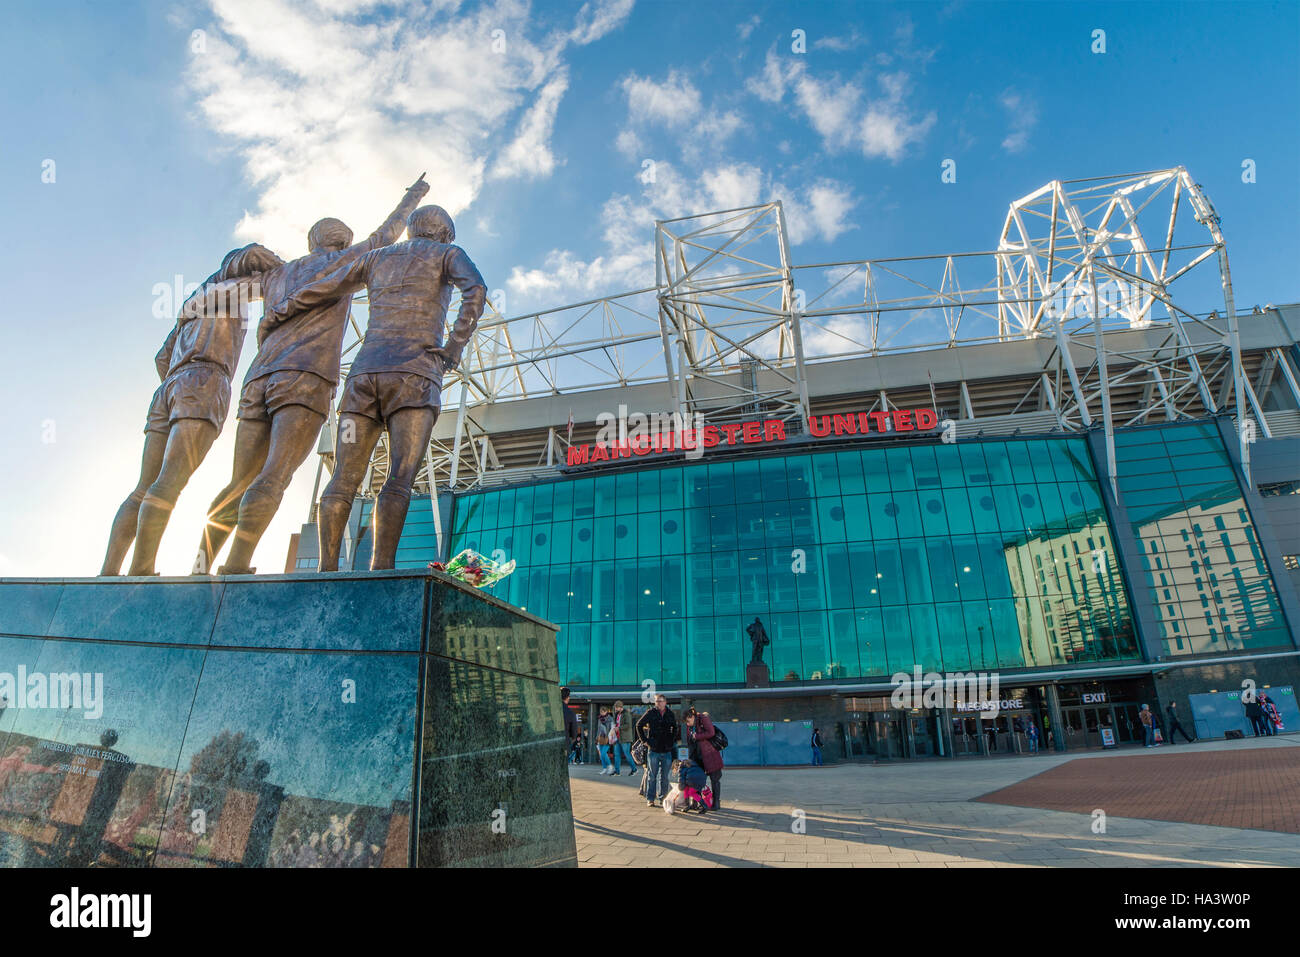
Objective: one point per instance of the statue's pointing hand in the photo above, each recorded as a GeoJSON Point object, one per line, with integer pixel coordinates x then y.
{"type": "Point", "coordinates": [419, 186]}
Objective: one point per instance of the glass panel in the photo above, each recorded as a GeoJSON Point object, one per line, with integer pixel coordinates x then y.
{"type": "Point", "coordinates": [998, 463]}
{"type": "Point", "coordinates": [606, 495]}
{"type": "Point", "coordinates": [875, 471]}
{"type": "Point", "coordinates": [625, 493]}
{"type": "Point", "coordinates": [748, 482]}
{"type": "Point", "coordinates": [700, 649]}
{"type": "Point", "coordinates": [799, 477]}
{"type": "Point", "coordinates": [647, 490]}
{"type": "Point", "coordinates": [826, 475]}
{"type": "Point", "coordinates": [562, 503]}
{"type": "Point", "coordinates": [852, 481]}
{"type": "Point", "coordinates": [584, 499]}
{"type": "Point", "coordinates": [543, 498]}
{"type": "Point", "coordinates": [775, 486]}
{"type": "Point", "coordinates": [722, 489]}
{"type": "Point", "coordinates": [648, 543]}
{"type": "Point", "coordinates": [871, 642]}
{"type": "Point", "coordinates": [830, 520]}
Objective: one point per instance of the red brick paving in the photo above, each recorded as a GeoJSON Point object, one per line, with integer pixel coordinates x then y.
{"type": "Point", "coordinates": [1258, 788]}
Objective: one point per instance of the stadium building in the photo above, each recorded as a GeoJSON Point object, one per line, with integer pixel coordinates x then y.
{"type": "Point", "coordinates": [1069, 462]}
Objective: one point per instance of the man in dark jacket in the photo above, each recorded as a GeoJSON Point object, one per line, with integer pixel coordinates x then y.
{"type": "Point", "coordinates": [1173, 724]}
{"type": "Point", "coordinates": [1256, 715]}
{"type": "Point", "coordinates": [658, 729]}
{"type": "Point", "coordinates": [571, 729]}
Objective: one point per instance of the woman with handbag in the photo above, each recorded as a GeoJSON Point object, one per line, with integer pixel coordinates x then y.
{"type": "Point", "coordinates": [699, 737]}
{"type": "Point", "coordinates": [620, 737]}
{"type": "Point", "coordinates": [603, 724]}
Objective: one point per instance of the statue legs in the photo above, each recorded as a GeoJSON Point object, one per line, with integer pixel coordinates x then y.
{"type": "Point", "coordinates": [187, 443]}
{"type": "Point", "coordinates": [292, 436]}
{"type": "Point", "coordinates": [349, 469]}
{"type": "Point", "coordinates": [124, 524]}
{"type": "Point", "coordinates": [408, 443]}
{"type": "Point", "coordinates": [252, 440]}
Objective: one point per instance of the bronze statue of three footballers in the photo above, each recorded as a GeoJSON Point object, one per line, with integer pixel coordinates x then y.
{"type": "Point", "coordinates": [394, 383]}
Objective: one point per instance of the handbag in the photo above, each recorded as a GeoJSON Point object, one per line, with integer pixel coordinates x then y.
{"type": "Point", "coordinates": [639, 753]}
{"type": "Point", "coordinates": [602, 740]}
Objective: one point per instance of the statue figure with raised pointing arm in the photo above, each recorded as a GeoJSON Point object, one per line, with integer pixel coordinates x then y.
{"type": "Point", "coordinates": [395, 382]}
{"type": "Point", "coordinates": [290, 386]}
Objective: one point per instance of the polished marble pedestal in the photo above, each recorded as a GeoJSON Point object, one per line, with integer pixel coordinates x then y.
{"type": "Point", "coordinates": [354, 719]}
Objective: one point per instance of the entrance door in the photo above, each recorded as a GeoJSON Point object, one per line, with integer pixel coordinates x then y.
{"type": "Point", "coordinates": [1106, 721]}
{"type": "Point", "coordinates": [1083, 725]}
{"type": "Point", "coordinates": [885, 735]}
{"type": "Point", "coordinates": [1076, 734]}
{"type": "Point", "coordinates": [924, 734]}
{"type": "Point", "coordinates": [965, 737]}
{"type": "Point", "coordinates": [1092, 722]}
{"type": "Point", "coordinates": [856, 739]}
{"type": "Point", "coordinates": [1127, 724]}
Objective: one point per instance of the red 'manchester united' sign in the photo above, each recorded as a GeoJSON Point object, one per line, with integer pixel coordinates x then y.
{"type": "Point", "coordinates": [760, 432]}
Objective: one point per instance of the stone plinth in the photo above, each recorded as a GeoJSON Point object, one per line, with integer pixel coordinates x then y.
{"type": "Point", "coordinates": [356, 719]}
{"type": "Point", "coordinates": [757, 676]}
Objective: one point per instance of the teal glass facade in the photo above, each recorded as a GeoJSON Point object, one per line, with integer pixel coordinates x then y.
{"type": "Point", "coordinates": [1202, 566]}
{"type": "Point", "coordinates": [861, 563]}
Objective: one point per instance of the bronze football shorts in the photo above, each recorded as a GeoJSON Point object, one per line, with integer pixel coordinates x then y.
{"type": "Point", "coordinates": [270, 393]}
{"type": "Point", "coordinates": [377, 395]}
{"type": "Point", "coordinates": [197, 391]}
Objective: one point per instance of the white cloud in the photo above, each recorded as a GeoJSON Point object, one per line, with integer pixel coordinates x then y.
{"type": "Point", "coordinates": [832, 108]}
{"type": "Point", "coordinates": [744, 29]}
{"type": "Point", "coordinates": [596, 19]}
{"type": "Point", "coordinates": [817, 212]}
{"type": "Point", "coordinates": [835, 335]}
{"type": "Point", "coordinates": [844, 115]}
{"type": "Point", "coordinates": [672, 103]}
{"type": "Point", "coordinates": [770, 85]}
{"type": "Point", "coordinates": [334, 108]}
{"type": "Point", "coordinates": [530, 154]}
{"type": "Point", "coordinates": [629, 144]}
{"type": "Point", "coordinates": [1023, 117]}
{"type": "Point", "coordinates": [840, 44]}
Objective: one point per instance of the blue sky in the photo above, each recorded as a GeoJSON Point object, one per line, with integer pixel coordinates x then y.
{"type": "Point", "coordinates": [170, 147]}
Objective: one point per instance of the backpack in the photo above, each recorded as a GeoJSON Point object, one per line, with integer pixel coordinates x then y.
{"type": "Point", "coordinates": [719, 740]}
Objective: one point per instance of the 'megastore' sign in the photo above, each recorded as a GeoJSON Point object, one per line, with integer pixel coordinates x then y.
{"type": "Point", "coordinates": [756, 433]}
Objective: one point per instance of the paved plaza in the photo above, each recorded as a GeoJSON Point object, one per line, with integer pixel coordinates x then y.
{"type": "Point", "coordinates": [943, 813]}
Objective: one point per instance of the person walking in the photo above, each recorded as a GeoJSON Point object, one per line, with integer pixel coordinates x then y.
{"type": "Point", "coordinates": [1174, 725]}
{"type": "Point", "coordinates": [1148, 727]}
{"type": "Point", "coordinates": [658, 728]}
{"type": "Point", "coordinates": [1255, 712]}
{"type": "Point", "coordinates": [816, 743]}
{"type": "Point", "coordinates": [700, 734]}
{"type": "Point", "coordinates": [1031, 732]}
{"type": "Point", "coordinates": [571, 729]}
{"type": "Point", "coordinates": [620, 739]}
{"type": "Point", "coordinates": [603, 725]}
{"type": "Point", "coordinates": [1272, 717]}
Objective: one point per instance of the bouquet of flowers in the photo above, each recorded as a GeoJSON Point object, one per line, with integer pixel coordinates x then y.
{"type": "Point", "coordinates": [471, 567]}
